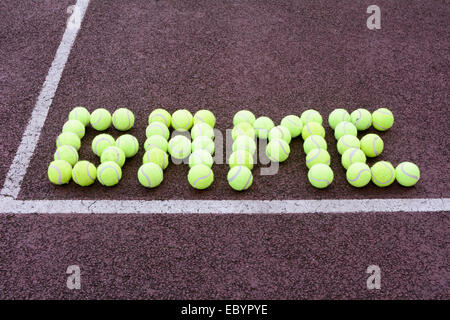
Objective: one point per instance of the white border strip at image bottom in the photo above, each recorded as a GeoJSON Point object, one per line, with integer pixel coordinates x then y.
{"type": "Point", "coordinates": [8, 205]}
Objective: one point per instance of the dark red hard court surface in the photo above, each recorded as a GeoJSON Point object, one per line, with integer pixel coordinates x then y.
{"type": "Point", "coordinates": [274, 59]}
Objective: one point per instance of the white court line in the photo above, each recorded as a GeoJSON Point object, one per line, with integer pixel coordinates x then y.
{"type": "Point", "coordinates": [33, 130]}
{"type": "Point", "coordinates": [8, 205]}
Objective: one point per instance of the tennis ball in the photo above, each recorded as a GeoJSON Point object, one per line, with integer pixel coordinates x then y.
{"type": "Point", "coordinates": [382, 119]}
{"type": "Point", "coordinates": [344, 128]}
{"type": "Point", "coordinates": [84, 173]}
{"type": "Point", "coordinates": [202, 129]}
{"type": "Point", "coordinates": [100, 119]}
{"type": "Point", "coordinates": [205, 116]}
{"type": "Point", "coordinates": [200, 157]}
{"type": "Point", "coordinates": [179, 147]}
{"type": "Point", "coordinates": [81, 114]}
{"type": "Point", "coordinates": [336, 116]}
{"type": "Point", "coordinates": [150, 175]}
{"type": "Point", "coordinates": [156, 155]}
{"type": "Point", "coordinates": [123, 119]}
{"type": "Point", "coordinates": [346, 142]}
{"type": "Point", "coordinates": [156, 142]}
{"type": "Point", "coordinates": [160, 115]}
{"type": "Point", "coordinates": [407, 174]}
{"type": "Point", "coordinates": [109, 173]}
{"type": "Point", "coordinates": [114, 154]}
{"type": "Point", "coordinates": [182, 120]}
{"type": "Point", "coordinates": [244, 143]}
{"type": "Point", "coordinates": [313, 142]}
{"type": "Point", "coordinates": [67, 153]}
{"type": "Point", "coordinates": [311, 115]}
{"type": "Point", "coordinates": [240, 178]}
{"type": "Point", "coordinates": [312, 128]}
{"type": "Point", "coordinates": [317, 155]}
{"type": "Point", "coordinates": [74, 126]}
{"type": "Point", "coordinates": [157, 128]}
{"type": "Point", "coordinates": [101, 142]}
{"type": "Point", "coordinates": [243, 116]}
{"type": "Point", "coordinates": [68, 139]}
{"type": "Point", "coordinates": [241, 158]}
{"type": "Point", "coordinates": [262, 126]}
{"type": "Point", "coordinates": [294, 124]}
{"type": "Point", "coordinates": [320, 175]}
{"type": "Point", "coordinates": [383, 173]}
{"type": "Point", "coordinates": [358, 174]}
{"type": "Point", "coordinates": [200, 176]}
{"type": "Point", "coordinates": [203, 143]}
{"type": "Point", "coordinates": [352, 155]}
{"type": "Point", "coordinates": [280, 132]}
{"type": "Point", "coordinates": [372, 145]}
{"type": "Point", "coordinates": [59, 172]}
{"type": "Point", "coordinates": [243, 129]}
{"type": "Point", "coordinates": [361, 118]}
{"type": "Point", "coordinates": [278, 150]}
{"type": "Point", "coordinates": [129, 144]}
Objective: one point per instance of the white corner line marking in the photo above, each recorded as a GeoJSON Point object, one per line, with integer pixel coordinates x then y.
{"type": "Point", "coordinates": [34, 127]}
{"type": "Point", "coordinates": [8, 205]}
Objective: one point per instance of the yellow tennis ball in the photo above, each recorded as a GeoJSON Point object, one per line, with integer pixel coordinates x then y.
{"type": "Point", "coordinates": [68, 139]}
{"type": "Point", "coordinates": [157, 156]}
{"type": "Point", "coordinates": [243, 129]}
{"type": "Point", "coordinates": [358, 174]}
{"type": "Point", "coordinates": [361, 118]}
{"type": "Point", "coordinates": [337, 116]}
{"type": "Point", "coordinates": [345, 128]}
{"type": "Point", "coordinates": [59, 172]}
{"type": "Point", "coordinates": [67, 153]}
{"type": "Point", "coordinates": [123, 119]}
{"type": "Point", "coordinates": [312, 128]}
{"type": "Point", "coordinates": [205, 116]}
{"type": "Point", "coordinates": [313, 142]}
{"type": "Point", "coordinates": [114, 154]}
{"type": "Point", "coordinates": [407, 174]}
{"type": "Point", "coordinates": [84, 173]}
{"type": "Point", "coordinates": [316, 156]}
{"type": "Point", "coordinates": [351, 156]}
{"type": "Point", "coordinates": [311, 115]}
{"type": "Point", "coordinates": [81, 114]}
{"type": "Point", "coordinates": [240, 178]}
{"type": "Point", "coordinates": [278, 150]}
{"type": "Point", "coordinates": [203, 143]}
{"type": "Point", "coordinates": [241, 158]}
{"type": "Point", "coordinates": [200, 157]}
{"type": "Point", "coordinates": [200, 176]}
{"type": "Point", "coordinates": [101, 142]}
{"type": "Point", "coordinates": [74, 126]}
{"type": "Point", "coordinates": [346, 142]}
{"type": "Point", "coordinates": [382, 119]}
{"type": "Point", "coordinates": [156, 142]}
{"type": "Point", "coordinates": [160, 115]}
{"type": "Point", "coordinates": [109, 173]}
{"type": "Point", "coordinates": [243, 116]}
{"type": "Point", "coordinates": [294, 124]}
{"type": "Point", "coordinates": [150, 175]}
{"type": "Point", "coordinates": [383, 173]}
{"type": "Point", "coordinates": [280, 132]}
{"type": "Point", "coordinates": [179, 147]}
{"type": "Point", "coordinates": [182, 120]}
{"type": "Point", "coordinates": [320, 175]}
{"type": "Point", "coordinates": [157, 128]}
{"type": "Point", "coordinates": [202, 129]}
{"type": "Point", "coordinates": [372, 145]}
{"type": "Point", "coordinates": [262, 126]}
{"type": "Point", "coordinates": [129, 144]}
{"type": "Point", "coordinates": [244, 143]}
{"type": "Point", "coordinates": [100, 119]}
